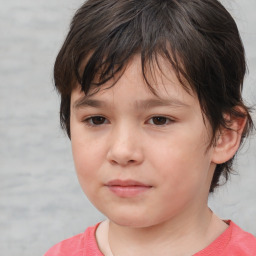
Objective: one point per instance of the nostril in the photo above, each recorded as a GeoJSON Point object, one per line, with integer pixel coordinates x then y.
{"type": "Point", "coordinates": [114, 162]}
{"type": "Point", "coordinates": [122, 162]}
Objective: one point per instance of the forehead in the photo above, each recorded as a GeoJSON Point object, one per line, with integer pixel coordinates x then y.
{"type": "Point", "coordinates": [157, 84]}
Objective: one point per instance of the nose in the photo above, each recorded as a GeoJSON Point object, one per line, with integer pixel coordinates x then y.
{"type": "Point", "coordinates": [125, 147]}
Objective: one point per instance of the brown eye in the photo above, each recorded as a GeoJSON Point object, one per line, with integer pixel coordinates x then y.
{"type": "Point", "coordinates": [98, 120]}
{"type": "Point", "coordinates": [95, 121]}
{"type": "Point", "coordinates": [159, 120]}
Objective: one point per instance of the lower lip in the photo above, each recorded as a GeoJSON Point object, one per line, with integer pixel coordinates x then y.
{"type": "Point", "coordinates": [128, 191]}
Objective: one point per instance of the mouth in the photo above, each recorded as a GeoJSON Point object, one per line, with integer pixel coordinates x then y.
{"type": "Point", "coordinates": [127, 188]}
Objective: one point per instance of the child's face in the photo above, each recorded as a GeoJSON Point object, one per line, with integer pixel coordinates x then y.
{"type": "Point", "coordinates": [142, 159]}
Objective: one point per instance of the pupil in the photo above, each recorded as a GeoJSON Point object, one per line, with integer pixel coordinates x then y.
{"type": "Point", "coordinates": [159, 120]}
{"type": "Point", "coordinates": [98, 120]}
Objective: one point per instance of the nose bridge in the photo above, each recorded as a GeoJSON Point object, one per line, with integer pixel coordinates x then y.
{"type": "Point", "coordinates": [125, 145]}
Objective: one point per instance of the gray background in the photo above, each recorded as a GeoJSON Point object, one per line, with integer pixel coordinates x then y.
{"type": "Point", "coordinates": [41, 202]}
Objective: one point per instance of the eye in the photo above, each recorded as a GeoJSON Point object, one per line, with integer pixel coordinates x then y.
{"type": "Point", "coordinates": [95, 120]}
{"type": "Point", "coordinates": [160, 120]}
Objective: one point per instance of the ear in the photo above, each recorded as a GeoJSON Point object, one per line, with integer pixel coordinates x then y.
{"type": "Point", "coordinates": [228, 139]}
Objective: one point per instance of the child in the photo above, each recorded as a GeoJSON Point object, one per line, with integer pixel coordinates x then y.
{"type": "Point", "coordinates": [151, 100]}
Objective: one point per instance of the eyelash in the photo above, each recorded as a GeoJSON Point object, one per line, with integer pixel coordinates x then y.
{"type": "Point", "coordinates": [89, 121]}
{"type": "Point", "coordinates": [167, 120]}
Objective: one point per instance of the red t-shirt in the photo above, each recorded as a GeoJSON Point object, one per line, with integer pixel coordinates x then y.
{"type": "Point", "coordinates": [232, 242]}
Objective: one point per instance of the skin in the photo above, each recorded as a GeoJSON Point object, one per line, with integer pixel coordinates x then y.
{"type": "Point", "coordinates": [127, 133]}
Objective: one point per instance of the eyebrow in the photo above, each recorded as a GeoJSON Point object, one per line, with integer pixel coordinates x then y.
{"type": "Point", "coordinates": [158, 102]}
{"type": "Point", "coordinates": [87, 102]}
{"type": "Point", "coordinates": [142, 104]}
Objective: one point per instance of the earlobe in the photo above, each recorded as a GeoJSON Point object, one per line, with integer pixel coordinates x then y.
{"type": "Point", "coordinates": [228, 140]}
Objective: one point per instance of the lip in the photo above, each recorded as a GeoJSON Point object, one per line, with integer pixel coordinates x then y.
{"type": "Point", "coordinates": [127, 188]}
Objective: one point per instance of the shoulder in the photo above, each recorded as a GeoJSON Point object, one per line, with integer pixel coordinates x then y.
{"type": "Point", "coordinates": [232, 242]}
{"type": "Point", "coordinates": [70, 246]}
{"type": "Point", "coordinates": [78, 245]}
{"type": "Point", "coordinates": [241, 242]}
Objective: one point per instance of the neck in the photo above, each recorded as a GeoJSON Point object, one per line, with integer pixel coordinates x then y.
{"type": "Point", "coordinates": [167, 238]}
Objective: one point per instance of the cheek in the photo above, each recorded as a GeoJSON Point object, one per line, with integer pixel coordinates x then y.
{"type": "Point", "coordinates": [85, 147]}
{"type": "Point", "coordinates": [87, 156]}
{"type": "Point", "coordinates": [86, 164]}
{"type": "Point", "coordinates": [88, 159]}
{"type": "Point", "coordinates": [182, 160]}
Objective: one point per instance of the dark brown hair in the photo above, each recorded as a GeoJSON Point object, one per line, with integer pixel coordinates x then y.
{"type": "Point", "coordinates": [199, 38]}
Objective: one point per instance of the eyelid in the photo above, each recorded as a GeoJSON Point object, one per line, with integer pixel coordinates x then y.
{"type": "Point", "coordinates": [87, 120]}
{"type": "Point", "coordinates": [168, 118]}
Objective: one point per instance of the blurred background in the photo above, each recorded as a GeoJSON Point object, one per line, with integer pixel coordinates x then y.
{"type": "Point", "coordinates": [41, 202]}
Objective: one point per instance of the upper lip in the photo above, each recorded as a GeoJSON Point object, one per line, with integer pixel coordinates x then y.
{"type": "Point", "coordinates": [126, 183]}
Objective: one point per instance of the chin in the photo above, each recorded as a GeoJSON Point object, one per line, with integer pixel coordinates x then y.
{"type": "Point", "coordinates": [132, 220]}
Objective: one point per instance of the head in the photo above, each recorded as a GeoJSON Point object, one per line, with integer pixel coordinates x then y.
{"type": "Point", "coordinates": [198, 39]}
